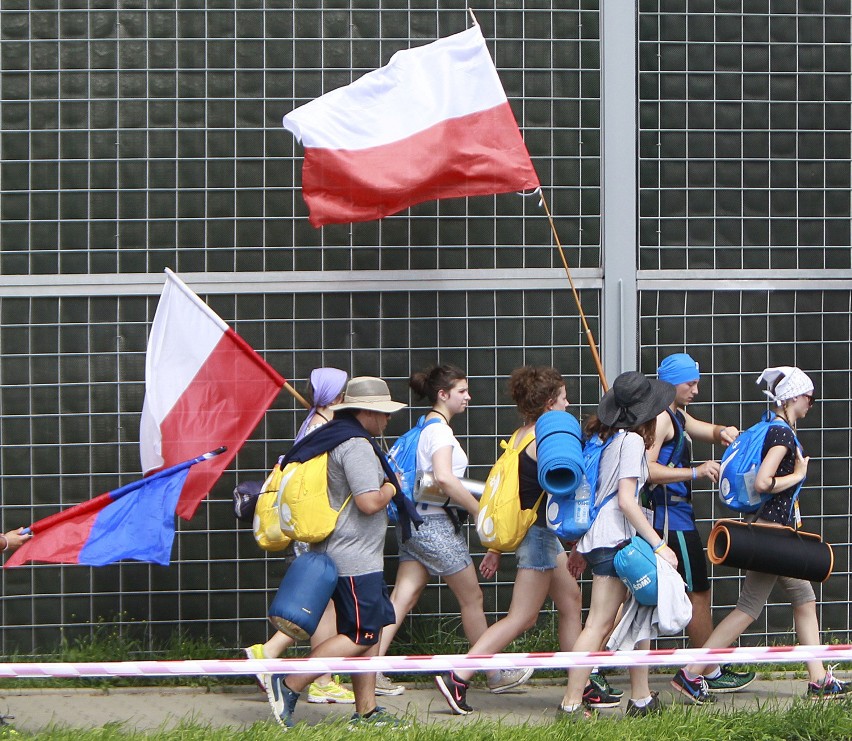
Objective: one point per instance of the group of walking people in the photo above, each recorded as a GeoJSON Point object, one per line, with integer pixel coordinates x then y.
{"type": "Point", "coordinates": [648, 467]}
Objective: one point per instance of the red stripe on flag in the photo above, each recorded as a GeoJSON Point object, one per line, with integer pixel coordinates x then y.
{"type": "Point", "coordinates": [222, 405]}
{"type": "Point", "coordinates": [69, 532]}
{"type": "Point", "coordinates": [479, 154]}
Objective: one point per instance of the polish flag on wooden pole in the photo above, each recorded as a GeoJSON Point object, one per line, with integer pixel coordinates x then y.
{"type": "Point", "coordinates": [205, 387]}
{"type": "Point", "coordinates": [433, 123]}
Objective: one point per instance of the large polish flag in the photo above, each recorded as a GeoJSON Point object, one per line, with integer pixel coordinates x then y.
{"type": "Point", "coordinates": [434, 123]}
{"type": "Point", "coordinates": [205, 387]}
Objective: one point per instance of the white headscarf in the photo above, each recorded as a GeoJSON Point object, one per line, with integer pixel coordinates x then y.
{"type": "Point", "coordinates": [785, 382]}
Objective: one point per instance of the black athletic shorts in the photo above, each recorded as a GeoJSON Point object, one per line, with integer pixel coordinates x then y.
{"type": "Point", "coordinates": [691, 562]}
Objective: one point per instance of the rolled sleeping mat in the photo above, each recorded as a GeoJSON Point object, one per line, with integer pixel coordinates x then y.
{"type": "Point", "coordinates": [636, 565]}
{"type": "Point", "coordinates": [559, 446]}
{"type": "Point", "coordinates": [303, 595]}
{"type": "Point", "coordinates": [771, 549]}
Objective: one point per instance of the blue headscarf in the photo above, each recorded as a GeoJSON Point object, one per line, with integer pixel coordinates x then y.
{"type": "Point", "coordinates": [327, 384]}
{"type": "Point", "coordinates": [678, 368]}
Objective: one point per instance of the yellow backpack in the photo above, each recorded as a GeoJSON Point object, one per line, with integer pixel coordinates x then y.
{"type": "Point", "coordinates": [502, 524]}
{"type": "Point", "coordinates": [304, 511]}
{"type": "Point", "coordinates": [267, 523]}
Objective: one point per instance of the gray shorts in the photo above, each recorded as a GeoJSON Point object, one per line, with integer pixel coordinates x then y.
{"type": "Point", "coordinates": [757, 587]}
{"type": "Point", "coordinates": [437, 546]}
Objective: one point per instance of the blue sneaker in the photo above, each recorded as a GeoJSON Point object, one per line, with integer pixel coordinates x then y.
{"type": "Point", "coordinates": [830, 688]}
{"type": "Point", "coordinates": [282, 699]}
{"type": "Point", "coordinates": [694, 689]}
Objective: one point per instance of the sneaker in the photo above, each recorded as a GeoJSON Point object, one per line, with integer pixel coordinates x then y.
{"type": "Point", "coordinates": [331, 692]}
{"type": "Point", "coordinates": [507, 679]}
{"type": "Point", "coordinates": [577, 715]}
{"type": "Point", "coordinates": [282, 699]}
{"type": "Point", "coordinates": [637, 711]}
{"type": "Point", "coordinates": [256, 652]}
{"type": "Point", "coordinates": [829, 689]}
{"type": "Point", "coordinates": [597, 695]}
{"type": "Point", "coordinates": [729, 681]}
{"type": "Point", "coordinates": [454, 691]}
{"type": "Point", "coordinates": [385, 687]}
{"type": "Point", "coordinates": [693, 689]}
{"type": "Point", "coordinates": [378, 718]}
{"type": "Point", "coordinates": [601, 681]}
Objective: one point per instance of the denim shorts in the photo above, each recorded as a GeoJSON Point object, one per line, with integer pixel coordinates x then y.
{"type": "Point", "coordinates": [437, 546]}
{"type": "Point", "coordinates": [601, 561]}
{"type": "Point", "coordinates": [539, 549]}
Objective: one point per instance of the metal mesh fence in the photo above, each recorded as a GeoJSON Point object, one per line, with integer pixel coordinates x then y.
{"type": "Point", "coordinates": [149, 135]}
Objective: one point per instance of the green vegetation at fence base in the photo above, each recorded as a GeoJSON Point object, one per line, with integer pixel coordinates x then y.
{"type": "Point", "coordinates": [831, 721]}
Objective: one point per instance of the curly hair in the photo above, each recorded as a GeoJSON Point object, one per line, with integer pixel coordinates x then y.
{"type": "Point", "coordinates": [428, 382]}
{"type": "Point", "coordinates": [532, 387]}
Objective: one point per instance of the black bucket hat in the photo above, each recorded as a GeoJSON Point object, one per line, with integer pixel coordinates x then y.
{"type": "Point", "coordinates": [634, 399]}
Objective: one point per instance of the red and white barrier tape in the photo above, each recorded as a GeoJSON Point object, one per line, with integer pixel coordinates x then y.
{"type": "Point", "coordinates": [430, 664]}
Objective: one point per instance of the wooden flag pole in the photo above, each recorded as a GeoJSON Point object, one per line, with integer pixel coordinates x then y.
{"type": "Point", "coordinates": [589, 337]}
{"type": "Point", "coordinates": [296, 395]}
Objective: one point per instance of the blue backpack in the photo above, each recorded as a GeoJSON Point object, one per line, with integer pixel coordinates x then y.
{"type": "Point", "coordinates": [403, 460]}
{"type": "Point", "coordinates": [570, 517]}
{"type": "Point", "coordinates": [740, 463]}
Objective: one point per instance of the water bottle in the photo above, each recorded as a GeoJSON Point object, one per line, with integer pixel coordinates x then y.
{"type": "Point", "coordinates": [582, 500]}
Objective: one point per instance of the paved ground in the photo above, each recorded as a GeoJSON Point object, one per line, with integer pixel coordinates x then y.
{"type": "Point", "coordinates": [240, 706]}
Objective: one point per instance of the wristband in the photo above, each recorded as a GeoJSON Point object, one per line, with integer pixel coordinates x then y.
{"type": "Point", "coordinates": [493, 550]}
{"type": "Point", "coordinates": [772, 485]}
{"type": "Point", "coordinates": [660, 546]}
{"type": "Point", "coordinates": [694, 474]}
{"type": "Point", "coordinates": [391, 486]}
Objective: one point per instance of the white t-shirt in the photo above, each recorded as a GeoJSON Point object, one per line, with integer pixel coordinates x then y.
{"type": "Point", "coordinates": [434, 437]}
{"type": "Point", "coordinates": [623, 458]}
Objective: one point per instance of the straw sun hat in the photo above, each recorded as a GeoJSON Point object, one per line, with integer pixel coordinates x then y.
{"type": "Point", "coordinates": [370, 393]}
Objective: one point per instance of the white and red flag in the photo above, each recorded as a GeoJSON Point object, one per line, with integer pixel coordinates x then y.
{"type": "Point", "coordinates": [433, 123]}
{"type": "Point", "coordinates": [205, 387]}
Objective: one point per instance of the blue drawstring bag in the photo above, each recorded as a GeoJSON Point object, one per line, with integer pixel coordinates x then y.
{"type": "Point", "coordinates": [636, 565]}
{"type": "Point", "coordinates": [303, 595]}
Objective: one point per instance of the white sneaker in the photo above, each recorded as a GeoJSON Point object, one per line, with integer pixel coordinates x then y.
{"type": "Point", "coordinates": [387, 688]}
{"type": "Point", "coordinates": [507, 679]}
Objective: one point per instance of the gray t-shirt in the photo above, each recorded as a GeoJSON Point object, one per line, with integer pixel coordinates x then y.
{"type": "Point", "coordinates": [357, 544]}
{"type": "Point", "coordinates": [623, 458]}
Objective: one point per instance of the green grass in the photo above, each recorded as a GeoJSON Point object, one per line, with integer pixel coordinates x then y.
{"type": "Point", "coordinates": [802, 721]}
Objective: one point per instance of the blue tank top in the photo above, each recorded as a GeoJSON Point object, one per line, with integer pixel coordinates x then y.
{"type": "Point", "coordinates": [677, 453]}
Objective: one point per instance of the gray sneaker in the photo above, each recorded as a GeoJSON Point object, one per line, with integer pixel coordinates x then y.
{"type": "Point", "coordinates": [387, 688]}
{"type": "Point", "coordinates": [507, 679]}
{"type": "Point", "coordinates": [282, 699]}
{"type": "Point", "coordinates": [654, 706]}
